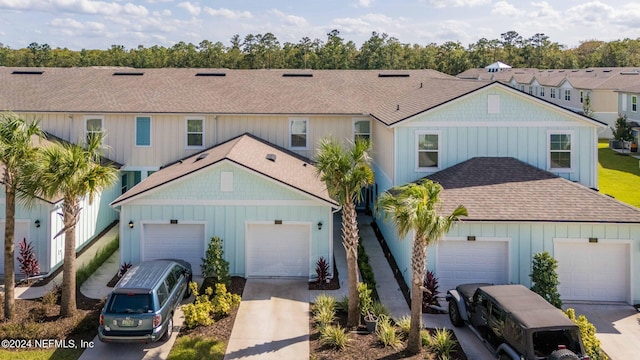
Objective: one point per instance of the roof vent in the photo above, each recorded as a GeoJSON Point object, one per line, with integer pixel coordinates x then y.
{"type": "Point", "coordinates": [271, 157]}
{"type": "Point", "coordinates": [210, 74]}
{"type": "Point", "coordinates": [27, 72]}
{"type": "Point", "coordinates": [635, 72]}
{"type": "Point", "coordinates": [297, 75]}
{"type": "Point", "coordinates": [560, 70]}
{"type": "Point", "coordinates": [606, 70]}
{"type": "Point", "coordinates": [127, 73]}
{"type": "Point", "coordinates": [575, 70]}
{"type": "Point", "coordinates": [393, 75]}
{"type": "Point", "coordinates": [589, 70]}
{"type": "Point", "coordinates": [202, 156]}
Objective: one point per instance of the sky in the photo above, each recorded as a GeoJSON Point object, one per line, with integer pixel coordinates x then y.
{"type": "Point", "coordinates": [93, 24]}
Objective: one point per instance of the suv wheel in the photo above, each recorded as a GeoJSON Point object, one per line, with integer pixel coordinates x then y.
{"type": "Point", "coordinates": [563, 354]}
{"type": "Point", "coordinates": [454, 314]}
{"type": "Point", "coordinates": [169, 331]}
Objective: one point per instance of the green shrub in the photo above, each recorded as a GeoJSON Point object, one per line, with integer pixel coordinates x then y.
{"type": "Point", "coordinates": [23, 331]}
{"type": "Point", "coordinates": [404, 324]}
{"type": "Point", "coordinates": [198, 313]}
{"type": "Point", "coordinates": [325, 302]}
{"type": "Point", "coordinates": [364, 295]}
{"type": "Point", "coordinates": [324, 316]}
{"type": "Point", "coordinates": [545, 278]}
{"type": "Point", "coordinates": [386, 333]}
{"type": "Point", "coordinates": [378, 309]}
{"type": "Point", "coordinates": [84, 272]}
{"type": "Point", "coordinates": [366, 270]}
{"type": "Point", "coordinates": [51, 298]}
{"type": "Point", "coordinates": [441, 342]}
{"type": "Point", "coordinates": [214, 265]}
{"type": "Point", "coordinates": [223, 301]}
{"type": "Point", "coordinates": [38, 314]}
{"type": "Point", "coordinates": [343, 305]}
{"type": "Point", "coordinates": [588, 334]}
{"type": "Point", "coordinates": [334, 336]}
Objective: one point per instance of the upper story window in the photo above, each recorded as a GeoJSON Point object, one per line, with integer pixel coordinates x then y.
{"type": "Point", "coordinates": [530, 90]}
{"type": "Point", "coordinates": [298, 133]}
{"type": "Point", "coordinates": [93, 125]}
{"type": "Point", "coordinates": [581, 97]}
{"type": "Point", "coordinates": [195, 132]}
{"type": "Point", "coordinates": [560, 147]}
{"type": "Point", "coordinates": [552, 93]}
{"type": "Point", "coordinates": [542, 91]}
{"type": "Point", "coordinates": [522, 88]}
{"type": "Point", "coordinates": [143, 131]}
{"type": "Point", "coordinates": [427, 150]}
{"type": "Point", "coordinates": [634, 103]}
{"type": "Point", "coordinates": [624, 102]}
{"type": "Point", "coordinates": [361, 129]}
{"type": "Point", "coordinates": [567, 95]}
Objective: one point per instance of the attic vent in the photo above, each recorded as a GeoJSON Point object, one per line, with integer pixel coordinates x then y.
{"type": "Point", "coordinates": [606, 70]}
{"type": "Point", "coordinates": [128, 73]}
{"type": "Point", "coordinates": [210, 74]}
{"type": "Point", "coordinates": [560, 70]}
{"type": "Point", "coordinates": [202, 156]}
{"type": "Point", "coordinates": [271, 157]}
{"type": "Point", "coordinates": [589, 70]}
{"type": "Point", "coordinates": [393, 75]}
{"type": "Point", "coordinates": [635, 72]}
{"type": "Point", "coordinates": [27, 72]}
{"type": "Point", "coordinates": [297, 75]}
{"type": "Point", "coordinates": [575, 70]}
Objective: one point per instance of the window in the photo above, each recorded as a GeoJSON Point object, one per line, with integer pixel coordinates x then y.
{"type": "Point", "coordinates": [361, 129]}
{"type": "Point", "coordinates": [93, 126]}
{"type": "Point", "coordinates": [530, 90]}
{"type": "Point", "coordinates": [552, 93]}
{"type": "Point", "coordinates": [581, 97]}
{"type": "Point", "coordinates": [560, 145]}
{"type": "Point", "coordinates": [427, 156]}
{"type": "Point", "coordinates": [163, 293]}
{"type": "Point", "coordinates": [522, 88]}
{"type": "Point", "coordinates": [567, 95]}
{"type": "Point", "coordinates": [298, 131]}
{"type": "Point", "coordinates": [123, 184]}
{"type": "Point", "coordinates": [542, 91]}
{"type": "Point", "coordinates": [195, 133]}
{"type": "Point", "coordinates": [624, 102]}
{"type": "Point", "coordinates": [171, 281]}
{"type": "Point", "coordinates": [634, 103]}
{"type": "Point", "coordinates": [143, 131]}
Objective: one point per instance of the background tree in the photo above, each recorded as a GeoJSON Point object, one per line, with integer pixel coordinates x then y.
{"type": "Point", "coordinates": [345, 172]}
{"type": "Point", "coordinates": [622, 131]}
{"type": "Point", "coordinates": [415, 207]}
{"type": "Point", "coordinates": [16, 150]}
{"type": "Point", "coordinates": [74, 172]}
{"type": "Point", "coordinates": [544, 277]}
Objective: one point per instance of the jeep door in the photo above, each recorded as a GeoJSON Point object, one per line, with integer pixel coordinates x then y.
{"type": "Point", "coordinates": [480, 310]}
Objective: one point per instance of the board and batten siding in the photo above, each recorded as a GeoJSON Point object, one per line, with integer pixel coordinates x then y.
{"type": "Point", "coordinates": [519, 130]}
{"type": "Point", "coordinates": [525, 240]}
{"type": "Point", "coordinates": [198, 199]}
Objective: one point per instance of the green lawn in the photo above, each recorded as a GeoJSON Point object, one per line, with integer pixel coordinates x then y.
{"type": "Point", "coordinates": [618, 175]}
{"type": "Point", "coordinates": [196, 347]}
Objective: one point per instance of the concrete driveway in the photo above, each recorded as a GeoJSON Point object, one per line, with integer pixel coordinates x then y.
{"type": "Point", "coordinates": [617, 327]}
{"type": "Point", "coordinates": [272, 321]}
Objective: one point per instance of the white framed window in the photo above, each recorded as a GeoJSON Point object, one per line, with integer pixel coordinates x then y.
{"type": "Point", "coordinates": [581, 97]}
{"type": "Point", "coordinates": [552, 93]}
{"type": "Point", "coordinates": [93, 124]}
{"type": "Point", "coordinates": [530, 90]}
{"type": "Point", "coordinates": [560, 150]}
{"type": "Point", "coordinates": [143, 131]}
{"type": "Point", "coordinates": [634, 103]}
{"type": "Point", "coordinates": [194, 132]}
{"type": "Point", "coordinates": [298, 133]}
{"type": "Point", "coordinates": [427, 150]}
{"type": "Point", "coordinates": [567, 95]}
{"type": "Point", "coordinates": [226, 181]}
{"type": "Point", "coordinates": [361, 129]}
{"type": "Point", "coordinates": [624, 102]}
{"type": "Point", "coordinates": [542, 91]}
{"type": "Point", "coordinates": [522, 88]}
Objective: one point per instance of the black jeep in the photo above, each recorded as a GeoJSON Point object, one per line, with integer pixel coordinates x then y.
{"type": "Point", "coordinates": [515, 323]}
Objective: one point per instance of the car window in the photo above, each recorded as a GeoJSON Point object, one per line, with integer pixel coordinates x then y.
{"type": "Point", "coordinates": [130, 304]}
{"type": "Point", "coordinates": [171, 281]}
{"type": "Point", "coordinates": [177, 272]}
{"type": "Point", "coordinates": [163, 294]}
{"type": "Point", "coordinates": [514, 332]}
{"type": "Point", "coordinates": [547, 341]}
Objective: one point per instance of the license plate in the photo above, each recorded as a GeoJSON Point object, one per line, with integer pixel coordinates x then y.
{"type": "Point", "coordinates": [127, 322]}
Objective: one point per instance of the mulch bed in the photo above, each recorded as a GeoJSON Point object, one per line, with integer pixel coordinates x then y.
{"type": "Point", "coordinates": [333, 284]}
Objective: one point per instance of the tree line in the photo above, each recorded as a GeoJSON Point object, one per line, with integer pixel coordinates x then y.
{"type": "Point", "coordinates": [380, 51]}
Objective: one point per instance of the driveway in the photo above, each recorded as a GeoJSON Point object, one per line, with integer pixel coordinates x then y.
{"type": "Point", "coordinates": [272, 321]}
{"type": "Point", "coordinates": [617, 327]}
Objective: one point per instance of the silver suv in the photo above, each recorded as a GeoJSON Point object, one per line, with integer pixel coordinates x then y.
{"type": "Point", "coordinates": [141, 306]}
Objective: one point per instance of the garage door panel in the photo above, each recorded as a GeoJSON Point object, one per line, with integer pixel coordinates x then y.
{"type": "Point", "coordinates": [277, 250]}
{"type": "Point", "coordinates": [593, 271]}
{"type": "Point", "coordinates": [178, 241]}
{"type": "Point", "coordinates": [460, 262]}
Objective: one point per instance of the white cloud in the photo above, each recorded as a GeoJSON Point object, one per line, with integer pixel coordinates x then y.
{"type": "Point", "coordinates": [164, 12]}
{"type": "Point", "coordinates": [590, 13]}
{"type": "Point", "coordinates": [75, 6]}
{"type": "Point", "coordinates": [227, 13]}
{"type": "Point", "coordinates": [505, 9]}
{"type": "Point", "coordinates": [193, 9]}
{"type": "Point", "coordinates": [363, 3]}
{"type": "Point", "coordinates": [291, 20]}
{"type": "Point", "coordinates": [457, 3]}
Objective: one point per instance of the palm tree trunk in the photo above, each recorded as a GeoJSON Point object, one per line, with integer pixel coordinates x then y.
{"type": "Point", "coordinates": [350, 243]}
{"type": "Point", "coordinates": [418, 263]}
{"type": "Point", "coordinates": [68, 296]}
{"type": "Point", "coordinates": [9, 251]}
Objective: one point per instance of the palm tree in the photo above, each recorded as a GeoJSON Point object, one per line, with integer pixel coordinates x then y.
{"type": "Point", "coordinates": [346, 172]}
{"type": "Point", "coordinates": [16, 149]}
{"type": "Point", "coordinates": [72, 172]}
{"type": "Point", "coordinates": [415, 207]}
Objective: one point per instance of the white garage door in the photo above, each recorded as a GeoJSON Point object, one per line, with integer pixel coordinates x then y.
{"type": "Point", "coordinates": [21, 232]}
{"type": "Point", "coordinates": [174, 241]}
{"type": "Point", "coordinates": [461, 262]}
{"type": "Point", "coordinates": [277, 250]}
{"type": "Point", "coordinates": [593, 271]}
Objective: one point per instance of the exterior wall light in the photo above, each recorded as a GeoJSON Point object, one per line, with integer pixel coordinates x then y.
{"type": "Point", "coordinates": [37, 222]}
{"type": "Point", "coordinates": [131, 224]}
{"type": "Point", "coordinates": [319, 225]}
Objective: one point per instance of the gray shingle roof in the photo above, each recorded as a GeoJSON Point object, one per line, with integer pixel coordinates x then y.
{"type": "Point", "coordinates": [507, 189]}
{"type": "Point", "coordinates": [246, 151]}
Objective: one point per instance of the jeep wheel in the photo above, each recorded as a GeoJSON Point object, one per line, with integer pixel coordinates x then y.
{"type": "Point", "coordinates": [454, 314]}
{"type": "Point", "coordinates": [563, 354]}
{"type": "Point", "coordinates": [169, 331]}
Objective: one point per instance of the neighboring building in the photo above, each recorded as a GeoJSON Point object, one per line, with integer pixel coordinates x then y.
{"type": "Point", "coordinates": [196, 147]}
{"type": "Point", "coordinates": [569, 87]}
{"type": "Point", "coordinates": [628, 105]}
